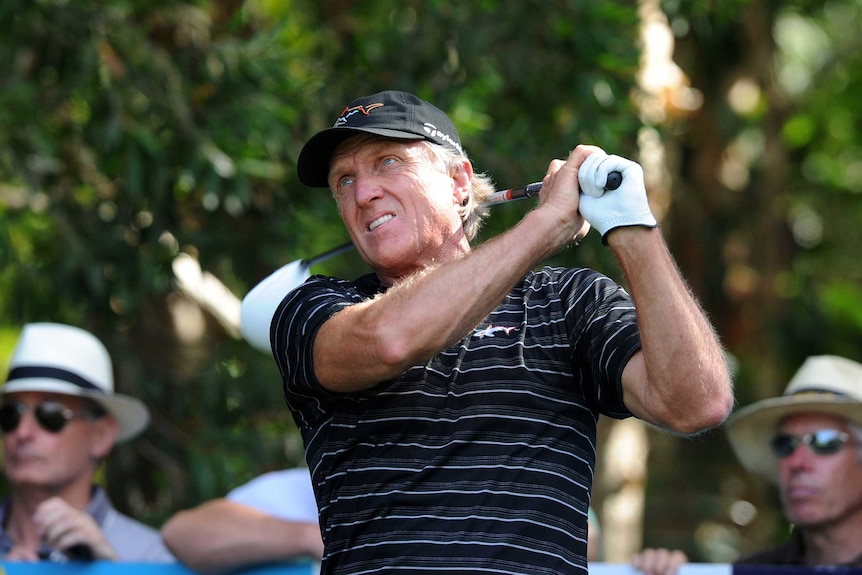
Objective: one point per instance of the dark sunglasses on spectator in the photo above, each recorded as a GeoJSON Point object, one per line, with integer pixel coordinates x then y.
{"type": "Point", "coordinates": [50, 415]}
{"type": "Point", "coordinates": [821, 442]}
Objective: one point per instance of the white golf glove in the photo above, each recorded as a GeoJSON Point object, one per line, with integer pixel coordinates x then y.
{"type": "Point", "coordinates": [606, 209]}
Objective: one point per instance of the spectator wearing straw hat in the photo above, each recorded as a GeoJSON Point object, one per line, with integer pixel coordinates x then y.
{"type": "Point", "coordinates": [809, 443]}
{"type": "Point", "coordinates": [60, 418]}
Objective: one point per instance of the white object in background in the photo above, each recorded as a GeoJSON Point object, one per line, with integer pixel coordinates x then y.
{"type": "Point", "coordinates": [259, 305]}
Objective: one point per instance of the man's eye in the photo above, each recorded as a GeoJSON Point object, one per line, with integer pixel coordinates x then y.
{"type": "Point", "coordinates": [344, 181]}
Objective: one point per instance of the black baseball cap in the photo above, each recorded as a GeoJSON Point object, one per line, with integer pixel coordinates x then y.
{"type": "Point", "coordinates": [391, 114]}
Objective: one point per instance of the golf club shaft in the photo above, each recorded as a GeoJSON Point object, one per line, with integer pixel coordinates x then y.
{"type": "Point", "coordinates": [328, 254]}
{"type": "Point", "coordinates": [532, 190]}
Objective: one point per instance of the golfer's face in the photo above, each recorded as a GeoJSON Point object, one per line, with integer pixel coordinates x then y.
{"type": "Point", "coordinates": [399, 205]}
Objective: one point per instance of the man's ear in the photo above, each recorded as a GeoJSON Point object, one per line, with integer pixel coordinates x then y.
{"type": "Point", "coordinates": [104, 434]}
{"type": "Point", "coordinates": [462, 177]}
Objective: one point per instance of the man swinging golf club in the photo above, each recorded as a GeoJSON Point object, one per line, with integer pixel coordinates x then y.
{"type": "Point", "coordinates": [448, 400]}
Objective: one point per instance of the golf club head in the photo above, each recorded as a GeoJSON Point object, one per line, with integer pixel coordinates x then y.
{"type": "Point", "coordinates": [259, 305]}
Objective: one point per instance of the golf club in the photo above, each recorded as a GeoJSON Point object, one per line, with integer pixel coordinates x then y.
{"type": "Point", "coordinates": [532, 190]}
{"type": "Point", "coordinates": [259, 305]}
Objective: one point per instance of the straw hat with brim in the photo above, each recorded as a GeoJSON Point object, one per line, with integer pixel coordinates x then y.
{"type": "Point", "coordinates": [57, 358]}
{"type": "Point", "coordinates": [825, 384]}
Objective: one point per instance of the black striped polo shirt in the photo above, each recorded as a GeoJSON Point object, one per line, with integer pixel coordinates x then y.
{"type": "Point", "coordinates": [480, 460]}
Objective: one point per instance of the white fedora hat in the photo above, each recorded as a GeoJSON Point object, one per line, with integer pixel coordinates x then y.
{"type": "Point", "coordinates": [824, 384]}
{"type": "Point", "coordinates": [57, 358]}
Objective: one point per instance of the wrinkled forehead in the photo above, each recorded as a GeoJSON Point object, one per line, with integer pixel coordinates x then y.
{"type": "Point", "coordinates": [370, 142]}
{"type": "Point", "coordinates": [366, 147]}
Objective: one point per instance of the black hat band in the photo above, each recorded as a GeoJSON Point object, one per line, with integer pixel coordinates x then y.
{"type": "Point", "coordinates": [52, 373]}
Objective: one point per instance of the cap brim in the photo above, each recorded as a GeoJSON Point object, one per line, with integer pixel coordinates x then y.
{"type": "Point", "coordinates": [312, 167]}
{"type": "Point", "coordinates": [131, 414]}
{"type": "Point", "coordinates": [751, 428]}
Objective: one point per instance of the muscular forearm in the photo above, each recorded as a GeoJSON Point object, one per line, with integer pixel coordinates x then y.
{"type": "Point", "coordinates": [680, 380]}
{"type": "Point", "coordinates": [221, 536]}
{"type": "Point", "coordinates": [377, 340]}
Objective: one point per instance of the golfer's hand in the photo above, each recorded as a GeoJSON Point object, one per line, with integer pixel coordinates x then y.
{"type": "Point", "coordinates": [659, 561]}
{"type": "Point", "coordinates": [62, 527]}
{"type": "Point", "coordinates": [560, 191]}
{"type": "Point", "coordinates": [608, 210]}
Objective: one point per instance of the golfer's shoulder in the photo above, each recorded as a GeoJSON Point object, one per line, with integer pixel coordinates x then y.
{"type": "Point", "coordinates": [562, 279]}
{"type": "Point", "coordinates": [328, 286]}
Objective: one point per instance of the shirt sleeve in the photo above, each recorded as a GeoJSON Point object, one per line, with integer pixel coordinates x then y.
{"type": "Point", "coordinates": [285, 494]}
{"type": "Point", "coordinates": [295, 325]}
{"type": "Point", "coordinates": [605, 335]}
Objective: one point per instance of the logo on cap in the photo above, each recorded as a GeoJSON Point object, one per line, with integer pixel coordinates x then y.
{"type": "Point", "coordinates": [432, 131]}
{"type": "Point", "coordinates": [348, 112]}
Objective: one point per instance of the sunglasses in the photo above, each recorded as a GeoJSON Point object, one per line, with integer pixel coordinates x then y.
{"type": "Point", "coordinates": [50, 415]}
{"type": "Point", "coordinates": [821, 442]}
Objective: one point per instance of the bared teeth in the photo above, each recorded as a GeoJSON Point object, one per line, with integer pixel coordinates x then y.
{"type": "Point", "coordinates": [380, 221]}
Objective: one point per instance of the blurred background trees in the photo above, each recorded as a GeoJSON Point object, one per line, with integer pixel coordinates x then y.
{"type": "Point", "coordinates": [139, 141]}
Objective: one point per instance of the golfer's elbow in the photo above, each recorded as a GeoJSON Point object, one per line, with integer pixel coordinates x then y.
{"type": "Point", "coordinates": [709, 418]}
{"type": "Point", "coordinates": [398, 351]}
{"type": "Point", "coordinates": [708, 410]}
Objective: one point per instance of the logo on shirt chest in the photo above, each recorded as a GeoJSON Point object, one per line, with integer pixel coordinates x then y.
{"type": "Point", "coordinates": [492, 330]}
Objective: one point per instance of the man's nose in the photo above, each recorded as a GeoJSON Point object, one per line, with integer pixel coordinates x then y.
{"type": "Point", "coordinates": [800, 457]}
{"type": "Point", "coordinates": [27, 424]}
{"type": "Point", "coordinates": [367, 188]}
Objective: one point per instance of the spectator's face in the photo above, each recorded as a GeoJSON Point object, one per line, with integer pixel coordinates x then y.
{"type": "Point", "coordinates": [399, 206]}
{"type": "Point", "coordinates": [51, 460]}
{"type": "Point", "coordinates": [819, 489]}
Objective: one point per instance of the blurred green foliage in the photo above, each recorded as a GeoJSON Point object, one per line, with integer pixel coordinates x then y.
{"type": "Point", "coordinates": [132, 132]}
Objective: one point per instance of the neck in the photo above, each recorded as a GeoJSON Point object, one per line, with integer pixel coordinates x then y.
{"type": "Point", "coordinates": [448, 251]}
{"type": "Point", "coordinates": [833, 545]}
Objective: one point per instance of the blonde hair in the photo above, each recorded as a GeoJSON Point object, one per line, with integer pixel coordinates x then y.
{"type": "Point", "coordinates": [474, 210]}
